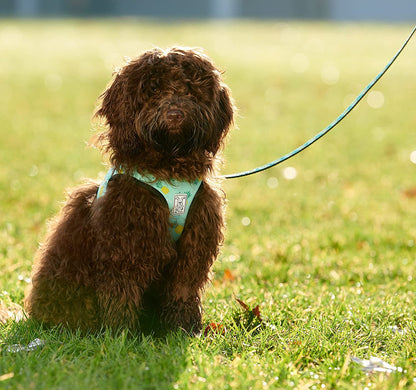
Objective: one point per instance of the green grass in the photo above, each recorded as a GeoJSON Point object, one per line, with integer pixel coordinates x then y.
{"type": "Point", "coordinates": [329, 257]}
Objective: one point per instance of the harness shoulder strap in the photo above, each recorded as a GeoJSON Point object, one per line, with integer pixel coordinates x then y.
{"type": "Point", "coordinates": [179, 196]}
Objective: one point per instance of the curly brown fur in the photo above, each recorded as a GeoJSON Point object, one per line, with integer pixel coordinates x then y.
{"type": "Point", "coordinates": [106, 259]}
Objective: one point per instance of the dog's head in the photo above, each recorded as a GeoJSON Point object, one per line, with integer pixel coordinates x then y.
{"type": "Point", "coordinates": [172, 101]}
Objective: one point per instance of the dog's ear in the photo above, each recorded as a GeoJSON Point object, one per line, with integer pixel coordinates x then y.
{"type": "Point", "coordinates": [226, 108]}
{"type": "Point", "coordinates": [112, 107]}
{"type": "Point", "coordinates": [119, 139]}
{"type": "Point", "coordinates": [224, 117]}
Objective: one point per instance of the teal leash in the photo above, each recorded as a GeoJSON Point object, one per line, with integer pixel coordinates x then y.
{"type": "Point", "coordinates": [330, 126]}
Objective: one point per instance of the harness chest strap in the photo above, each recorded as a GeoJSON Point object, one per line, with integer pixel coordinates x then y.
{"type": "Point", "coordinates": [178, 195]}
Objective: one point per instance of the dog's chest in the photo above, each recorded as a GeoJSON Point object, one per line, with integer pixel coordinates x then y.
{"type": "Point", "coordinates": [178, 195]}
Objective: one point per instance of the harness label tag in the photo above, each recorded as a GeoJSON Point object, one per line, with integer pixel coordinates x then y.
{"type": "Point", "coordinates": [179, 204]}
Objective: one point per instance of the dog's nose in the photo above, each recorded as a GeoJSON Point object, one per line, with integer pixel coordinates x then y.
{"type": "Point", "coordinates": [175, 115]}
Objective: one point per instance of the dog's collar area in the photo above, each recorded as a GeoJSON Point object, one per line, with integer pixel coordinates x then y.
{"type": "Point", "coordinates": [178, 194]}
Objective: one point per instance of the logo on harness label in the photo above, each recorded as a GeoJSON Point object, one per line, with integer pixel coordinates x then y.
{"type": "Point", "coordinates": [179, 204]}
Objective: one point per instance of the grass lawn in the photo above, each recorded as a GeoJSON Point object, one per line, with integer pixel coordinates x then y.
{"type": "Point", "coordinates": [324, 244]}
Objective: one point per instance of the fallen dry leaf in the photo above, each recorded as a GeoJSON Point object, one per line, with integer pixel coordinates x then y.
{"type": "Point", "coordinates": [242, 304]}
{"type": "Point", "coordinates": [214, 327]}
{"type": "Point", "coordinates": [410, 192]}
{"type": "Point", "coordinates": [6, 376]}
{"type": "Point", "coordinates": [256, 312]}
{"type": "Point", "coordinates": [228, 275]}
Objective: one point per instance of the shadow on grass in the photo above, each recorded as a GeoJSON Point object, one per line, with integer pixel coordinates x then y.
{"type": "Point", "coordinates": [107, 360]}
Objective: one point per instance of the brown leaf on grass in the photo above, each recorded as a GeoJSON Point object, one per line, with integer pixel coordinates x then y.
{"type": "Point", "coordinates": [410, 193]}
{"type": "Point", "coordinates": [214, 327]}
{"type": "Point", "coordinates": [256, 312]}
{"type": "Point", "coordinates": [228, 275]}
{"type": "Point", "coordinates": [242, 304]}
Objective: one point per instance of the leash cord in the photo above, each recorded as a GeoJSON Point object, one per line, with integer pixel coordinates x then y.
{"type": "Point", "coordinates": [330, 126]}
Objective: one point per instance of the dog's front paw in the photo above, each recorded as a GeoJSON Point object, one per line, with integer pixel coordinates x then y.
{"type": "Point", "coordinates": [184, 315]}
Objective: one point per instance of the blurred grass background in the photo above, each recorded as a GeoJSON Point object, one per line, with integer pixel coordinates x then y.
{"type": "Point", "coordinates": [342, 231]}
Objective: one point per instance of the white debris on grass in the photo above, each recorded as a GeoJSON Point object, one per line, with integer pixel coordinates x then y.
{"type": "Point", "coordinates": [376, 365]}
{"type": "Point", "coordinates": [396, 329]}
{"type": "Point", "coordinates": [36, 343]}
{"type": "Point", "coordinates": [10, 311]}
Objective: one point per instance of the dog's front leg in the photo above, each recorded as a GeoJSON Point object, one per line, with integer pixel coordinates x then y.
{"type": "Point", "coordinates": [133, 244]}
{"type": "Point", "coordinates": [119, 304]}
{"type": "Point", "coordinates": [197, 248]}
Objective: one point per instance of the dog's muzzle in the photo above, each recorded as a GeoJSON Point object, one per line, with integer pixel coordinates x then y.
{"type": "Point", "coordinates": [174, 118]}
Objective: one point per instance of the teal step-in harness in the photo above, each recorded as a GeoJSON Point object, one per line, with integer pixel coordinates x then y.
{"type": "Point", "coordinates": [178, 195]}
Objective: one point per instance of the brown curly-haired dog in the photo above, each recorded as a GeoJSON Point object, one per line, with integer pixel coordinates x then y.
{"type": "Point", "coordinates": [106, 257]}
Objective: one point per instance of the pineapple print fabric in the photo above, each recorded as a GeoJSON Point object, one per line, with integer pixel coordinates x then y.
{"type": "Point", "coordinates": [178, 195]}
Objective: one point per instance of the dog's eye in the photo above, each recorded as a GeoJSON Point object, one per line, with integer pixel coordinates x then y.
{"type": "Point", "coordinates": [154, 87]}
